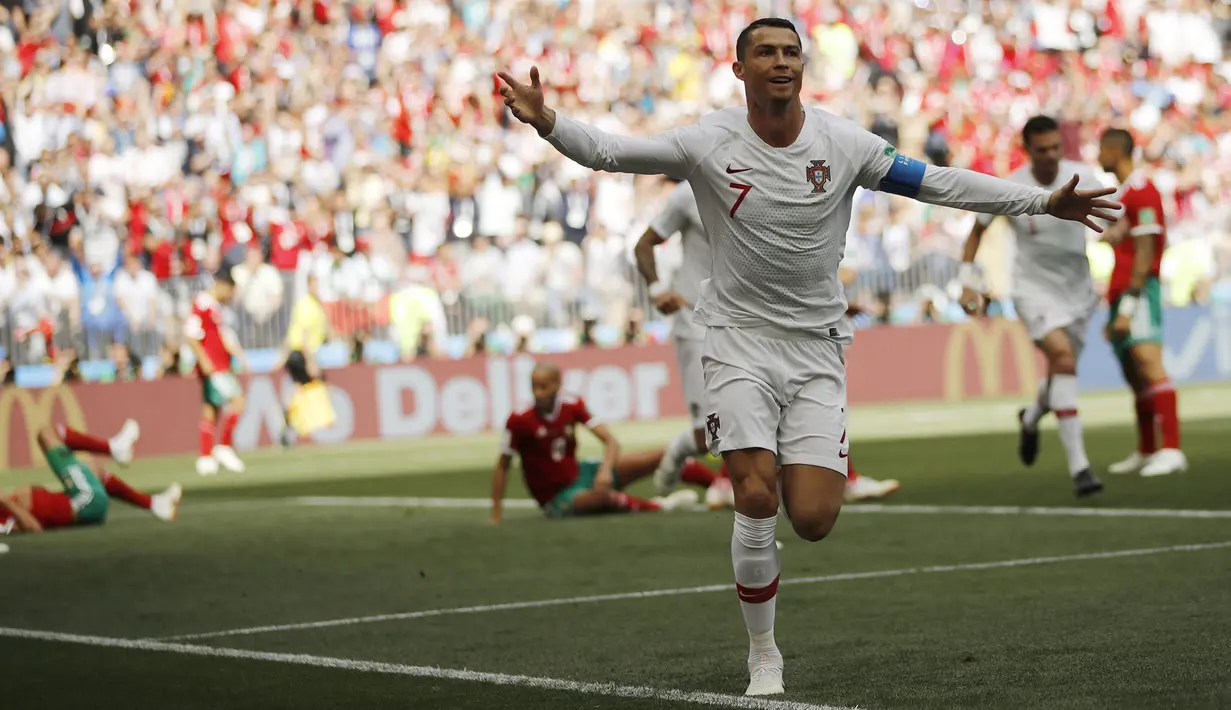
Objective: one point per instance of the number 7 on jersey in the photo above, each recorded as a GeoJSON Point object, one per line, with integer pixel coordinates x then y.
{"type": "Point", "coordinates": [743, 192]}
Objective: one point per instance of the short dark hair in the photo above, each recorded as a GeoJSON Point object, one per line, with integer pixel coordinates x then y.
{"type": "Point", "coordinates": [1121, 138]}
{"type": "Point", "coordinates": [1037, 126]}
{"type": "Point", "coordinates": [224, 276]}
{"type": "Point", "coordinates": [741, 44]}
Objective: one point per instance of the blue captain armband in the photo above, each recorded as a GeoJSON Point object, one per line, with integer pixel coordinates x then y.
{"type": "Point", "coordinates": [904, 177]}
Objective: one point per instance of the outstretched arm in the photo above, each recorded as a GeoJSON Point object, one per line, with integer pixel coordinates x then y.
{"type": "Point", "coordinates": [887, 171]}
{"type": "Point", "coordinates": [611, 452]}
{"type": "Point", "coordinates": [26, 522]}
{"type": "Point", "coordinates": [668, 153]}
{"type": "Point", "coordinates": [500, 477]}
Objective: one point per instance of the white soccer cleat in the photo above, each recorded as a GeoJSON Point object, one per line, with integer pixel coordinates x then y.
{"type": "Point", "coordinates": [1132, 464]}
{"type": "Point", "coordinates": [682, 498]}
{"type": "Point", "coordinates": [720, 494]}
{"type": "Point", "coordinates": [1165, 462]}
{"type": "Point", "coordinates": [207, 466]}
{"type": "Point", "coordinates": [226, 456]}
{"type": "Point", "coordinates": [166, 505]}
{"type": "Point", "coordinates": [765, 672]}
{"type": "Point", "coordinates": [122, 443]}
{"type": "Point", "coordinates": [864, 488]}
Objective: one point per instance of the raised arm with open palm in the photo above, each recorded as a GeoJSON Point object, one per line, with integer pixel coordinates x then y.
{"type": "Point", "coordinates": [525, 101]}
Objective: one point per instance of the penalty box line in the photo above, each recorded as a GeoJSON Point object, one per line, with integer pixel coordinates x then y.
{"type": "Point", "coordinates": [613, 690]}
{"type": "Point", "coordinates": [682, 591]}
{"type": "Point", "coordinates": [1012, 510]}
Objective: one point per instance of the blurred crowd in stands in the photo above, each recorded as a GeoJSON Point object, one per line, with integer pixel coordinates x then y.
{"type": "Point", "coordinates": [144, 144]}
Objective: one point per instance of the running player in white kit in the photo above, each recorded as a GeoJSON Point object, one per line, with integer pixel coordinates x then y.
{"type": "Point", "coordinates": [773, 185]}
{"type": "Point", "coordinates": [680, 215]}
{"type": "Point", "coordinates": [677, 299]}
{"type": "Point", "coordinates": [1053, 294]}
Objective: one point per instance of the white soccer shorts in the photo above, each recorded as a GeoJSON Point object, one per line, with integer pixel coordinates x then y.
{"type": "Point", "coordinates": [688, 355]}
{"type": "Point", "coordinates": [1044, 313]}
{"type": "Point", "coordinates": [787, 396]}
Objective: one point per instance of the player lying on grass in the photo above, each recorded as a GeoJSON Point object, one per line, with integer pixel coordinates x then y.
{"type": "Point", "coordinates": [86, 495]}
{"type": "Point", "coordinates": [543, 437]}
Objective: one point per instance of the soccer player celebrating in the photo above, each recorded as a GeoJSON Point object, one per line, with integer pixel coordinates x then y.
{"type": "Point", "coordinates": [222, 395]}
{"type": "Point", "coordinates": [1135, 326]}
{"type": "Point", "coordinates": [86, 496]}
{"type": "Point", "coordinates": [773, 184]}
{"type": "Point", "coordinates": [543, 437]}
{"type": "Point", "coordinates": [1053, 293]}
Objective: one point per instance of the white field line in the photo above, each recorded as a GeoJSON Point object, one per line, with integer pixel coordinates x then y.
{"type": "Point", "coordinates": [301, 659]}
{"type": "Point", "coordinates": [525, 504]}
{"type": "Point", "coordinates": [569, 601]}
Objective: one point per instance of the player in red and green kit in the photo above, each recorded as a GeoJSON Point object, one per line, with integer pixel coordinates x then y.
{"type": "Point", "coordinates": [1135, 324]}
{"type": "Point", "coordinates": [221, 394]}
{"type": "Point", "coordinates": [87, 492]}
{"type": "Point", "coordinates": [543, 437]}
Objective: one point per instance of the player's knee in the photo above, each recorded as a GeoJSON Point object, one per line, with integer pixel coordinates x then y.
{"type": "Point", "coordinates": [1063, 362]}
{"type": "Point", "coordinates": [48, 438]}
{"type": "Point", "coordinates": [814, 527]}
{"type": "Point", "coordinates": [755, 498]}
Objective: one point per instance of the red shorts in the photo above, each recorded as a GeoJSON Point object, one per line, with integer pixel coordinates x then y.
{"type": "Point", "coordinates": [51, 509]}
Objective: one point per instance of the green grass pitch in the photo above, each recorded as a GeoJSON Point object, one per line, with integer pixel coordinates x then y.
{"type": "Point", "coordinates": [898, 609]}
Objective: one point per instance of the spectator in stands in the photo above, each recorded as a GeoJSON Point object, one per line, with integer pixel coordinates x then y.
{"type": "Point", "coordinates": [446, 278]}
{"type": "Point", "coordinates": [101, 318]}
{"type": "Point", "coordinates": [126, 364]}
{"type": "Point", "coordinates": [481, 273]}
{"type": "Point", "coordinates": [608, 290]}
{"type": "Point", "coordinates": [413, 308]}
{"type": "Point", "coordinates": [562, 276]}
{"type": "Point", "coordinates": [259, 292]}
{"type": "Point", "coordinates": [60, 285]}
{"type": "Point", "coordinates": [523, 274]}
{"type": "Point", "coordinates": [136, 292]}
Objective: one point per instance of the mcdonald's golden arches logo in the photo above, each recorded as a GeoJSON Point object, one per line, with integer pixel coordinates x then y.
{"type": "Point", "coordinates": [36, 410]}
{"type": "Point", "coordinates": [988, 338]}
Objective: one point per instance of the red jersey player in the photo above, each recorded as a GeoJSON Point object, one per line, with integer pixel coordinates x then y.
{"type": "Point", "coordinates": [543, 437]}
{"type": "Point", "coordinates": [1135, 325]}
{"type": "Point", "coordinates": [221, 394]}
{"type": "Point", "coordinates": [86, 495]}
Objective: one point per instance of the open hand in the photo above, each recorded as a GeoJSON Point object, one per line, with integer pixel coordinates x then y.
{"type": "Point", "coordinates": [1082, 205]}
{"type": "Point", "coordinates": [525, 102]}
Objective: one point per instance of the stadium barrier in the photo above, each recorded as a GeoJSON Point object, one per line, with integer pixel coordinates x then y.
{"type": "Point", "coordinates": [979, 359]}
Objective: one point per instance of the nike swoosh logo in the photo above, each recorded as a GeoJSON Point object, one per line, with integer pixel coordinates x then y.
{"type": "Point", "coordinates": [843, 454]}
{"type": "Point", "coordinates": [730, 171]}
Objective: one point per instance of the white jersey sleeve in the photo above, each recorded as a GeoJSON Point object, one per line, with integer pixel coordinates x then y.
{"type": "Point", "coordinates": [675, 215]}
{"type": "Point", "coordinates": [969, 190]}
{"type": "Point", "coordinates": [674, 153]}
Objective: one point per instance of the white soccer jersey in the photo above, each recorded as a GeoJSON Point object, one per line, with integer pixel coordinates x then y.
{"type": "Point", "coordinates": [777, 217]}
{"type": "Point", "coordinates": [1051, 253]}
{"type": "Point", "coordinates": [681, 215]}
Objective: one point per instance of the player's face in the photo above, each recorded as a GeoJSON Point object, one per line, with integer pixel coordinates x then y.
{"type": "Point", "coordinates": [545, 386]}
{"type": "Point", "coordinates": [773, 67]}
{"type": "Point", "coordinates": [224, 292]}
{"type": "Point", "coordinates": [1109, 155]}
{"type": "Point", "coordinates": [1045, 151]}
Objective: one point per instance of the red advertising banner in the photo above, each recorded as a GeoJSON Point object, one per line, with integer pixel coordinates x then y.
{"type": "Point", "coordinates": [936, 362]}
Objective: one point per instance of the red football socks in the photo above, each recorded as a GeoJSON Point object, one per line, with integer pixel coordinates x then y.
{"type": "Point", "coordinates": [630, 504]}
{"type": "Point", "coordinates": [207, 437]}
{"type": "Point", "coordinates": [697, 474]}
{"type": "Point", "coordinates": [117, 488]}
{"type": "Point", "coordinates": [1146, 424]}
{"type": "Point", "coordinates": [229, 420]}
{"type": "Point", "coordinates": [81, 441]}
{"type": "Point", "coordinates": [1167, 410]}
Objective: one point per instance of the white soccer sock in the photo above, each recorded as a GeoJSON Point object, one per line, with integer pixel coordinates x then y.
{"type": "Point", "coordinates": [1037, 409]}
{"type": "Point", "coordinates": [1064, 403]}
{"type": "Point", "coordinates": [755, 559]}
{"type": "Point", "coordinates": [667, 476]}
